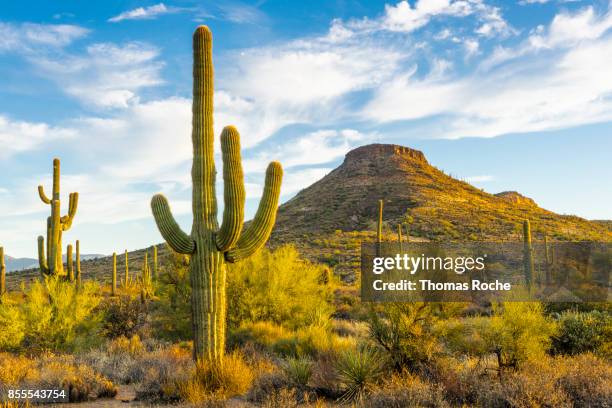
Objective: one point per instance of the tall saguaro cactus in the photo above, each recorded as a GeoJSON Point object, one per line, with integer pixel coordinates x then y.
{"type": "Point", "coordinates": [52, 263]}
{"type": "Point", "coordinates": [527, 254]}
{"type": "Point", "coordinates": [209, 246]}
{"type": "Point", "coordinates": [2, 273]}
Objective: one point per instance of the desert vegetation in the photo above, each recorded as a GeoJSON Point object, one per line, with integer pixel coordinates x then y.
{"type": "Point", "coordinates": [215, 318]}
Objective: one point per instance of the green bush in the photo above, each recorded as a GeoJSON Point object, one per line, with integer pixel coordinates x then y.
{"type": "Point", "coordinates": [516, 333]}
{"type": "Point", "coordinates": [582, 332]}
{"type": "Point", "coordinates": [277, 286]}
{"type": "Point", "coordinates": [54, 315]}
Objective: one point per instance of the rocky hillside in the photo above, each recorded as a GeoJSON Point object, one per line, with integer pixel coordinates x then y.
{"type": "Point", "coordinates": [435, 205]}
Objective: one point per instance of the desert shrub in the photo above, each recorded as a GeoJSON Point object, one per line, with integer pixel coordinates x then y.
{"type": "Point", "coordinates": [49, 371]}
{"type": "Point", "coordinates": [54, 315]}
{"type": "Point", "coordinates": [233, 376]}
{"type": "Point", "coordinates": [123, 317]}
{"type": "Point", "coordinates": [516, 333]}
{"type": "Point", "coordinates": [308, 341]}
{"type": "Point", "coordinates": [268, 384]}
{"type": "Point", "coordinates": [298, 370]}
{"type": "Point", "coordinates": [358, 371]}
{"type": "Point", "coordinates": [13, 326]}
{"type": "Point", "coordinates": [406, 390]}
{"type": "Point", "coordinates": [405, 332]}
{"type": "Point", "coordinates": [160, 373]}
{"type": "Point", "coordinates": [582, 332]}
{"type": "Point", "coordinates": [585, 379]}
{"type": "Point", "coordinates": [277, 286]}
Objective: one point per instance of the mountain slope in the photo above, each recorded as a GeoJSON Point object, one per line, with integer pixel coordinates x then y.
{"type": "Point", "coordinates": [437, 205]}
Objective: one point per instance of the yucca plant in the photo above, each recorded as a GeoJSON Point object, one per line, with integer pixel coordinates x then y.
{"type": "Point", "coordinates": [358, 371]}
{"type": "Point", "coordinates": [298, 370]}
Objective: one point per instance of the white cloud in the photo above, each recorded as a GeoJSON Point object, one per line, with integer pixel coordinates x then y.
{"type": "Point", "coordinates": [564, 88]}
{"type": "Point", "coordinates": [25, 37]}
{"type": "Point", "coordinates": [107, 75]}
{"type": "Point", "coordinates": [20, 136]}
{"type": "Point", "coordinates": [404, 17]}
{"type": "Point", "coordinates": [471, 47]}
{"type": "Point", "coordinates": [143, 13]}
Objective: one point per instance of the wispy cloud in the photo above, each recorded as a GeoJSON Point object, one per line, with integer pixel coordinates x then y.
{"type": "Point", "coordinates": [144, 13]}
{"type": "Point", "coordinates": [479, 179]}
{"type": "Point", "coordinates": [21, 136]}
{"type": "Point", "coordinates": [28, 36]}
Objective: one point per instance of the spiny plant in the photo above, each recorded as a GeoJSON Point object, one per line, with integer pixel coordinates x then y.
{"type": "Point", "coordinates": [2, 273]}
{"type": "Point", "coordinates": [114, 279]}
{"type": "Point", "coordinates": [52, 263]}
{"type": "Point", "coordinates": [155, 267]}
{"type": "Point", "coordinates": [69, 263]}
{"type": "Point", "coordinates": [209, 246]}
{"type": "Point", "coordinates": [379, 228]}
{"type": "Point", "coordinates": [527, 253]}
{"type": "Point", "coordinates": [399, 238]}
{"type": "Point", "coordinates": [146, 285]}
{"type": "Point", "coordinates": [549, 262]}
{"type": "Point", "coordinates": [126, 282]}
{"type": "Point", "coordinates": [78, 262]}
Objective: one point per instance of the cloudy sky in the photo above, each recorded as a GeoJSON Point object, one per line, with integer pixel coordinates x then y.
{"type": "Point", "coordinates": [506, 95]}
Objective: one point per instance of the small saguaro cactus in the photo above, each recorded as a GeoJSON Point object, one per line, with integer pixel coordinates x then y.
{"type": "Point", "coordinates": [407, 231]}
{"type": "Point", "coordinates": [527, 254]}
{"type": "Point", "coordinates": [145, 279]}
{"type": "Point", "coordinates": [399, 238]}
{"type": "Point", "coordinates": [114, 279]}
{"type": "Point", "coordinates": [2, 273]}
{"type": "Point", "coordinates": [78, 262]}
{"type": "Point", "coordinates": [69, 263]}
{"type": "Point", "coordinates": [379, 228]}
{"type": "Point", "coordinates": [155, 270]}
{"type": "Point", "coordinates": [209, 246]}
{"type": "Point", "coordinates": [52, 263]}
{"type": "Point", "coordinates": [127, 270]}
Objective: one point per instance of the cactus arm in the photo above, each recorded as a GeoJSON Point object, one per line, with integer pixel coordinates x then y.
{"type": "Point", "coordinates": [258, 232]}
{"type": "Point", "coordinates": [42, 261]}
{"type": "Point", "coordinates": [167, 225]}
{"type": "Point", "coordinates": [234, 194]}
{"type": "Point", "coordinates": [43, 196]}
{"type": "Point", "coordinates": [73, 203]}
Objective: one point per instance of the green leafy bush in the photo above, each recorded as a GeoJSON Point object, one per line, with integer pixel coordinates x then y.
{"type": "Point", "coordinates": [54, 315]}
{"type": "Point", "coordinates": [277, 286]}
{"type": "Point", "coordinates": [516, 333]}
{"type": "Point", "coordinates": [582, 332]}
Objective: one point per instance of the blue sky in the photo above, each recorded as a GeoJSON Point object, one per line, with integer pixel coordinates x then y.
{"type": "Point", "coordinates": [506, 95]}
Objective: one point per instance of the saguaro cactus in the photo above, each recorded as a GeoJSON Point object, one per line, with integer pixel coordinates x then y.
{"type": "Point", "coordinates": [52, 264]}
{"type": "Point", "coordinates": [155, 270]}
{"type": "Point", "coordinates": [69, 263]}
{"type": "Point", "coordinates": [2, 273]}
{"type": "Point", "coordinates": [527, 254]}
{"type": "Point", "coordinates": [399, 238]}
{"type": "Point", "coordinates": [78, 262]}
{"type": "Point", "coordinates": [114, 281]}
{"type": "Point", "coordinates": [209, 246]}
{"type": "Point", "coordinates": [127, 270]}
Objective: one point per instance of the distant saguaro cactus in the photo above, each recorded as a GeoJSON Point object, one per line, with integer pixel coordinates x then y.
{"type": "Point", "coordinates": [527, 254]}
{"type": "Point", "coordinates": [2, 273]}
{"type": "Point", "coordinates": [399, 238]}
{"type": "Point", "coordinates": [114, 279]}
{"type": "Point", "coordinates": [127, 270]}
{"type": "Point", "coordinates": [69, 263]}
{"type": "Point", "coordinates": [209, 246]}
{"type": "Point", "coordinates": [78, 262]}
{"type": "Point", "coordinates": [52, 264]}
{"type": "Point", "coordinates": [155, 269]}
